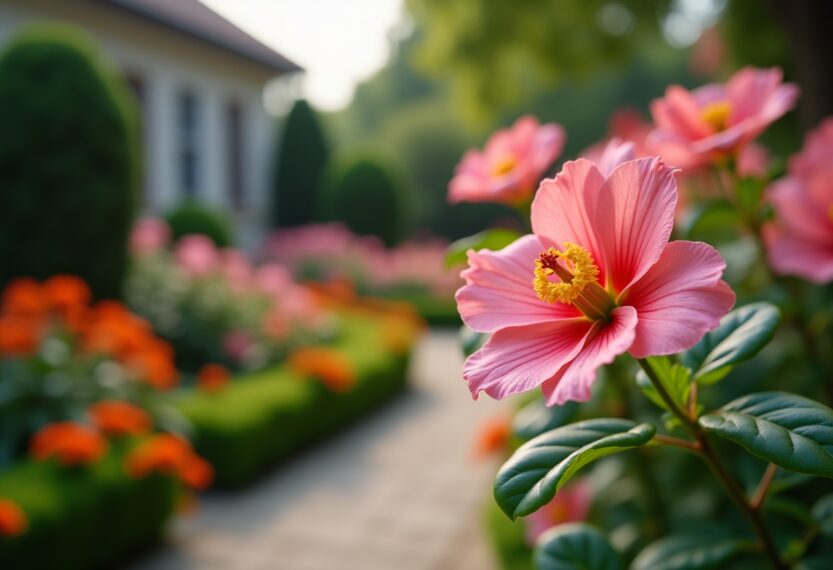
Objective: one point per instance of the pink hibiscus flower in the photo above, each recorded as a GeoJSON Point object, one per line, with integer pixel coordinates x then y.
{"type": "Point", "coordinates": [570, 504]}
{"type": "Point", "coordinates": [196, 254]}
{"type": "Point", "coordinates": [597, 278]}
{"type": "Point", "coordinates": [510, 167]}
{"type": "Point", "coordinates": [713, 122]}
{"type": "Point", "coordinates": [800, 241]}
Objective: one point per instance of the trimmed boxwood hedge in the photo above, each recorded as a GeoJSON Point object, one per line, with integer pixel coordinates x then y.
{"type": "Point", "coordinates": [83, 517]}
{"type": "Point", "coordinates": [263, 418]}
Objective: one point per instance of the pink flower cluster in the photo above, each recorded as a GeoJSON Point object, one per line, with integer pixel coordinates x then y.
{"type": "Point", "coordinates": [333, 252]}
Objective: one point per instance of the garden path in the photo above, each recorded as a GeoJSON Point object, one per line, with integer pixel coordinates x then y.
{"type": "Point", "coordinates": [400, 491]}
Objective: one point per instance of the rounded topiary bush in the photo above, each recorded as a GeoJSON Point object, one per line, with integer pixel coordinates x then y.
{"type": "Point", "coordinates": [364, 191]}
{"type": "Point", "coordinates": [193, 218]}
{"type": "Point", "coordinates": [301, 156]}
{"type": "Point", "coordinates": [68, 162]}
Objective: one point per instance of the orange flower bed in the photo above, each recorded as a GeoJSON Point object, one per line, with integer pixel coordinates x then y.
{"type": "Point", "coordinates": [213, 377]}
{"type": "Point", "coordinates": [116, 418]}
{"type": "Point", "coordinates": [13, 521]}
{"type": "Point", "coordinates": [170, 455]}
{"type": "Point", "coordinates": [69, 443]}
{"type": "Point", "coordinates": [329, 366]}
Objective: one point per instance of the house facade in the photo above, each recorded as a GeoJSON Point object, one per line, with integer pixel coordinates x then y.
{"type": "Point", "coordinates": [199, 81]}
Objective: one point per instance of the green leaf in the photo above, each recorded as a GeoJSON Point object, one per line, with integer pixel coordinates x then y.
{"type": "Point", "coordinates": [675, 378]}
{"type": "Point", "coordinates": [793, 432]}
{"type": "Point", "coordinates": [536, 418]}
{"type": "Point", "coordinates": [535, 472]}
{"type": "Point", "coordinates": [490, 239]}
{"type": "Point", "coordinates": [823, 514]}
{"type": "Point", "coordinates": [691, 552]}
{"type": "Point", "coordinates": [575, 546]}
{"type": "Point", "coordinates": [471, 341]}
{"type": "Point", "coordinates": [739, 337]}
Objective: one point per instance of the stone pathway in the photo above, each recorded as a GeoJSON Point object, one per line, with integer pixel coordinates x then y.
{"type": "Point", "coordinates": [397, 492]}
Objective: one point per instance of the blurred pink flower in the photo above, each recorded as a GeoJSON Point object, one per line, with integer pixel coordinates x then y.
{"type": "Point", "coordinates": [800, 241]}
{"type": "Point", "coordinates": [236, 343]}
{"type": "Point", "coordinates": [273, 279]}
{"type": "Point", "coordinates": [509, 168]}
{"type": "Point", "coordinates": [236, 269]}
{"type": "Point", "coordinates": [149, 235]}
{"type": "Point", "coordinates": [709, 52]}
{"type": "Point", "coordinates": [753, 161]}
{"type": "Point", "coordinates": [570, 504]}
{"type": "Point", "coordinates": [713, 122]}
{"type": "Point", "coordinates": [196, 254]}
{"type": "Point", "coordinates": [597, 278]}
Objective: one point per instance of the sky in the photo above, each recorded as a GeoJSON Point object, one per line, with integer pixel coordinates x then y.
{"type": "Point", "coordinates": [338, 42]}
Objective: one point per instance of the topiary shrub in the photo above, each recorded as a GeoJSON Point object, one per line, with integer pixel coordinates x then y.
{"type": "Point", "coordinates": [194, 218]}
{"type": "Point", "coordinates": [301, 156]}
{"type": "Point", "coordinates": [364, 191]}
{"type": "Point", "coordinates": [68, 161]}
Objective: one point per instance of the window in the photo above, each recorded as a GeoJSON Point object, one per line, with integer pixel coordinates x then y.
{"type": "Point", "coordinates": [234, 144]}
{"type": "Point", "coordinates": [188, 144]}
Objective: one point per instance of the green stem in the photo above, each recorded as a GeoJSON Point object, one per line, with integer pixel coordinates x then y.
{"type": "Point", "coordinates": [733, 488]}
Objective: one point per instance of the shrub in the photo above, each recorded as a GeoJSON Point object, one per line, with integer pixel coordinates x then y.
{"type": "Point", "coordinates": [194, 218]}
{"type": "Point", "coordinates": [302, 153]}
{"type": "Point", "coordinates": [364, 191]}
{"type": "Point", "coordinates": [68, 163]}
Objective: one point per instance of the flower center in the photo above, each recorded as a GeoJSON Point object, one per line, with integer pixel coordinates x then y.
{"type": "Point", "coordinates": [716, 114]}
{"type": "Point", "coordinates": [504, 166]}
{"type": "Point", "coordinates": [578, 281]}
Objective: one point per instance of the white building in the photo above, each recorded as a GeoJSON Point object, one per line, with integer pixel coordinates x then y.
{"type": "Point", "coordinates": [199, 80]}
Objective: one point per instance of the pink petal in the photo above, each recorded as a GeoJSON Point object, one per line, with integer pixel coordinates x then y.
{"type": "Point", "coordinates": [498, 291]}
{"type": "Point", "coordinates": [518, 359]}
{"type": "Point", "coordinates": [679, 299]}
{"type": "Point", "coordinates": [615, 152]}
{"type": "Point", "coordinates": [679, 112]}
{"type": "Point", "coordinates": [561, 210]}
{"type": "Point", "coordinates": [634, 218]}
{"type": "Point", "coordinates": [798, 212]}
{"type": "Point", "coordinates": [793, 255]}
{"type": "Point", "coordinates": [605, 341]}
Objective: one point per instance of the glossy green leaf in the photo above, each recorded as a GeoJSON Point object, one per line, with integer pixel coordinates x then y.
{"type": "Point", "coordinates": [536, 418]}
{"type": "Point", "coordinates": [793, 432]}
{"type": "Point", "coordinates": [701, 551]}
{"type": "Point", "coordinates": [823, 515]}
{"type": "Point", "coordinates": [575, 546]}
{"type": "Point", "coordinates": [471, 341]}
{"type": "Point", "coordinates": [490, 239]}
{"type": "Point", "coordinates": [675, 378]}
{"type": "Point", "coordinates": [739, 337]}
{"type": "Point", "coordinates": [535, 472]}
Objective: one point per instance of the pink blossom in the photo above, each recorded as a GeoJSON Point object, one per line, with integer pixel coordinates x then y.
{"type": "Point", "coordinates": [273, 279]}
{"type": "Point", "coordinates": [236, 269]}
{"type": "Point", "coordinates": [713, 122]}
{"type": "Point", "coordinates": [149, 235]}
{"type": "Point", "coordinates": [800, 241]}
{"type": "Point", "coordinates": [236, 344]}
{"type": "Point", "coordinates": [510, 167]}
{"type": "Point", "coordinates": [196, 254]}
{"type": "Point", "coordinates": [570, 504]}
{"type": "Point", "coordinates": [597, 278]}
{"type": "Point", "coordinates": [753, 161]}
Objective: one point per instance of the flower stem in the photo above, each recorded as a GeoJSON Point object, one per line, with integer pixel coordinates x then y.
{"type": "Point", "coordinates": [763, 487]}
{"type": "Point", "coordinates": [703, 447]}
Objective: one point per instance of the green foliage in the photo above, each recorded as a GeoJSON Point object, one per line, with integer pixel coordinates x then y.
{"type": "Point", "coordinates": [823, 514]}
{"type": "Point", "coordinates": [471, 340]}
{"type": "Point", "coordinates": [535, 472]}
{"type": "Point", "coordinates": [536, 418]}
{"type": "Point", "coordinates": [302, 153]}
{"type": "Point", "coordinates": [700, 551]}
{"type": "Point", "coordinates": [494, 239]}
{"type": "Point", "coordinates": [84, 518]}
{"type": "Point", "coordinates": [675, 378]}
{"type": "Point", "coordinates": [575, 546]}
{"type": "Point", "coordinates": [740, 336]}
{"type": "Point", "coordinates": [364, 191]}
{"type": "Point", "coordinates": [508, 539]}
{"type": "Point", "coordinates": [790, 431]}
{"type": "Point", "coordinates": [194, 218]}
{"type": "Point", "coordinates": [265, 417]}
{"type": "Point", "coordinates": [68, 161]}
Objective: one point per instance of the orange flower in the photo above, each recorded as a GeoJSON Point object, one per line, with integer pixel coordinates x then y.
{"type": "Point", "coordinates": [13, 521]}
{"type": "Point", "coordinates": [69, 442]}
{"type": "Point", "coordinates": [69, 297]}
{"type": "Point", "coordinates": [213, 377]}
{"type": "Point", "coordinates": [398, 333]}
{"type": "Point", "coordinates": [170, 455]}
{"type": "Point", "coordinates": [325, 364]}
{"type": "Point", "coordinates": [116, 418]}
{"type": "Point", "coordinates": [19, 335]}
{"type": "Point", "coordinates": [24, 297]}
{"type": "Point", "coordinates": [154, 364]}
{"type": "Point", "coordinates": [493, 437]}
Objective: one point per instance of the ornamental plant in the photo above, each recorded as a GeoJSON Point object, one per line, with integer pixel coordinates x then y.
{"type": "Point", "coordinates": [215, 306]}
{"type": "Point", "coordinates": [709, 362]}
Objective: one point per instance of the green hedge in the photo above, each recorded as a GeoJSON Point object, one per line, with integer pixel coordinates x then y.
{"type": "Point", "coordinates": [507, 538]}
{"type": "Point", "coordinates": [193, 218]}
{"type": "Point", "coordinates": [265, 417]}
{"type": "Point", "coordinates": [83, 517]}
